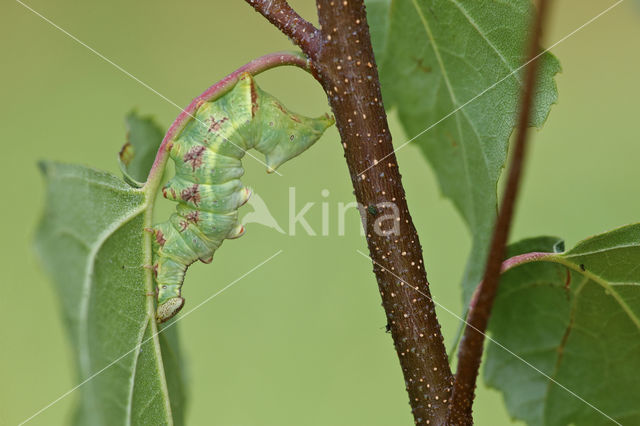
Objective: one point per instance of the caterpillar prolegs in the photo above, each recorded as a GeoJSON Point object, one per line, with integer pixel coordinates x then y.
{"type": "Point", "coordinates": [207, 184]}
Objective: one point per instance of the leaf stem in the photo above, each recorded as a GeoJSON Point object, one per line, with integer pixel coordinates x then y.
{"type": "Point", "coordinates": [471, 345]}
{"type": "Point", "coordinates": [511, 263]}
{"type": "Point", "coordinates": [254, 67]}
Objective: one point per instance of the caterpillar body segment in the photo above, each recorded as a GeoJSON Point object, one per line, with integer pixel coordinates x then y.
{"type": "Point", "coordinates": [207, 187]}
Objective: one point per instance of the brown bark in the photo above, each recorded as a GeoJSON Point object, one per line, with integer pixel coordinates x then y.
{"type": "Point", "coordinates": [347, 70]}
{"type": "Point", "coordinates": [345, 66]}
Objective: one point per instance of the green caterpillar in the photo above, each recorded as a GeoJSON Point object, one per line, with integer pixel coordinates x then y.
{"type": "Point", "coordinates": [207, 184]}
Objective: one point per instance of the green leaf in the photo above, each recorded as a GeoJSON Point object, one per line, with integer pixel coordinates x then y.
{"type": "Point", "coordinates": [436, 56]}
{"type": "Point", "coordinates": [575, 317]}
{"type": "Point", "coordinates": [144, 137]}
{"type": "Point", "coordinates": [91, 242]}
{"type": "Point", "coordinates": [536, 244]}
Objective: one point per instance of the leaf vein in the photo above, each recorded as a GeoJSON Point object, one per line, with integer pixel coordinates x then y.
{"type": "Point", "coordinates": [475, 25]}
{"type": "Point", "coordinates": [83, 330]}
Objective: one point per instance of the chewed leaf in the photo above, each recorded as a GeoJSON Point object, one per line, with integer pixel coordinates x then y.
{"type": "Point", "coordinates": [575, 317]}
{"type": "Point", "coordinates": [453, 71]}
{"type": "Point", "coordinates": [137, 154]}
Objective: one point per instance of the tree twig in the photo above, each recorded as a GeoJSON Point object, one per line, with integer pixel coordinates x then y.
{"type": "Point", "coordinates": [348, 72]}
{"type": "Point", "coordinates": [345, 66]}
{"type": "Point", "coordinates": [471, 345]}
{"type": "Point", "coordinates": [287, 20]}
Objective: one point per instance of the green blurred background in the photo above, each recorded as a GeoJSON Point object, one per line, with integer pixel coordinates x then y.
{"type": "Point", "coordinates": [301, 341]}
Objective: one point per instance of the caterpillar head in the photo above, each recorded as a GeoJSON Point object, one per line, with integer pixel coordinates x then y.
{"type": "Point", "coordinates": [169, 309]}
{"type": "Point", "coordinates": [292, 139]}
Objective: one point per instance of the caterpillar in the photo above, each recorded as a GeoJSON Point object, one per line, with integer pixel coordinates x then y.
{"type": "Point", "coordinates": [207, 156]}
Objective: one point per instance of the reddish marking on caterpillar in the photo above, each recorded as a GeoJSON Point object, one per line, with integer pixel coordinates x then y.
{"type": "Point", "coordinates": [193, 217]}
{"type": "Point", "coordinates": [191, 194]}
{"type": "Point", "coordinates": [171, 190]}
{"type": "Point", "coordinates": [183, 225]}
{"type": "Point", "coordinates": [254, 99]}
{"type": "Point", "coordinates": [160, 238]}
{"type": "Point", "coordinates": [194, 156]}
{"type": "Point", "coordinates": [216, 124]}
{"type": "Point", "coordinates": [287, 113]}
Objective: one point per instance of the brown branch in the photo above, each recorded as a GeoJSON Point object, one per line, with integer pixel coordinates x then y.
{"type": "Point", "coordinates": [471, 345]}
{"type": "Point", "coordinates": [344, 64]}
{"type": "Point", "coordinates": [347, 70]}
{"type": "Point", "coordinates": [301, 32]}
